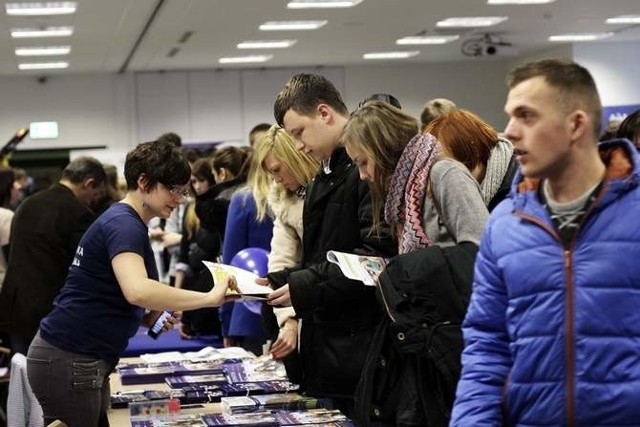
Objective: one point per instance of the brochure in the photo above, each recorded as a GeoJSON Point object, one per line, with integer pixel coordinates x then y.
{"type": "Point", "coordinates": [263, 368]}
{"type": "Point", "coordinates": [312, 416]}
{"type": "Point", "coordinates": [248, 289]}
{"type": "Point", "coordinates": [148, 373]}
{"type": "Point", "coordinates": [358, 267]}
{"type": "Point", "coordinates": [288, 401]}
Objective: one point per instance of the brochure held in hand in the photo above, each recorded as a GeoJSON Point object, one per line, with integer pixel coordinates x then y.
{"type": "Point", "coordinates": [248, 289]}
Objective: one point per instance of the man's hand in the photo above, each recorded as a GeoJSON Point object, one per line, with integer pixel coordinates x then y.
{"type": "Point", "coordinates": [287, 340]}
{"type": "Point", "coordinates": [280, 297]}
{"type": "Point", "coordinates": [263, 281]}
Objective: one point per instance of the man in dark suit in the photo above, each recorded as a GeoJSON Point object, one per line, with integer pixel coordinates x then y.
{"type": "Point", "coordinates": [45, 232]}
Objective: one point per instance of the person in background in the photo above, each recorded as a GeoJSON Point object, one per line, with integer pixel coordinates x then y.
{"type": "Point", "coordinates": [229, 167]}
{"type": "Point", "coordinates": [338, 313]}
{"type": "Point", "coordinates": [109, 194]}
{"type": "Point", "coordinates": [256, 133]}
{"type": "Point", "coordinates": [23, 183]}
{"type": "Point", "coordinates": [384, 97]}
{"type": "Point", "coordinates": [8, 192]}
{"type": "Point", "coordinates": [45, 232]}
{"type": "Point", "coordinates": [630, 128]}
{"type": "Point", "coordinates": [112, 280]}
{"type": "Point", "coordinates": [435, 108]}
{"type": "Point", "coordinates": [468, 139]}
{"type": "Point", "coordinates": [557, 274]}
{"type": "Point", "coordinates": [190, 272]}
{"type": "Point", "coordinates": [172, 138]}
{"type": "Point", "coordinates": [245, 230]}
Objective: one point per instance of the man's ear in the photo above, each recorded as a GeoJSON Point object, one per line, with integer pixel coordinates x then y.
{"type": "Point", "coordinates": [325, 112]}
{"type": "Point", "coordinates": [580, 124]}
{"type": "Point", "coordinates": [89, 183]}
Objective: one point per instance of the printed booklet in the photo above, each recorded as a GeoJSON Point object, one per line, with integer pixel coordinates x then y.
{"type": "Point", "coordinates": [358, 267]}
{"type": "Point", "coordinates": [248, 289]}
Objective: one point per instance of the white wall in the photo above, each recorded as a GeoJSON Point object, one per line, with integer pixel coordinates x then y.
{"type": "Point", "coordinates": [477, 86]}
{"type": "Point", "coordinates": [91, 110]}
{"type": "Point", "coordinates": [117, 111]}
{"type": "Point", "coordinates": [615, 68]}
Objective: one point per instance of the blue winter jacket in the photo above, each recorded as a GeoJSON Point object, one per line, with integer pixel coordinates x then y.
{"type": "Point", "coordinates": [552, 334]}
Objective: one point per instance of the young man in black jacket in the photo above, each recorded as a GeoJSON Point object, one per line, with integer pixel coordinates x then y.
{"type": "Point", "coordinates": [338, 315]}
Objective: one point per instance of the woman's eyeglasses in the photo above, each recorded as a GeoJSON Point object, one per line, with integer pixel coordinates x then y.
{"type": "Point", "coordinates": [179, 190]}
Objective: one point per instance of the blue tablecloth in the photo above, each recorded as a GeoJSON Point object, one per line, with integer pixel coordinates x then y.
{"type": "Point", "coordinates": [142, 343]}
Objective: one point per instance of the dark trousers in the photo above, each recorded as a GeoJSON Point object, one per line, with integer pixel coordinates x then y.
{"type": "Point", "coordinates": [19, 343]}
{"type": "Point", "coordinates": [70, 387]}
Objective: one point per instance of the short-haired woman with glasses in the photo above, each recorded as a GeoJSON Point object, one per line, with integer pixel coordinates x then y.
{"type": "Point", "coordinates": [110, 283]}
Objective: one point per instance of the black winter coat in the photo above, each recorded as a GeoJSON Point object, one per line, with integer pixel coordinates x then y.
{"type": "Point", "coordinates": [338, 314]}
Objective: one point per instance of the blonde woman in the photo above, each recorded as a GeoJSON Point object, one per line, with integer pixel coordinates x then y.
{"type": "Point", "coordinates": [281, 176]}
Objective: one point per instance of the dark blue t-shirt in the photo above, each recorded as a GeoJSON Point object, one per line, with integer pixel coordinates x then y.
{"type": "Point", "coordinates": [91, 315]}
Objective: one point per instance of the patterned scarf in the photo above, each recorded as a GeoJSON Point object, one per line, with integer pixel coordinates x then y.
{"type": "Point", "coordinates": [407, 191]}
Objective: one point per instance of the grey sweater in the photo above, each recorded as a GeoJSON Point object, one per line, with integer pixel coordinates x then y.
{"type": "Point", "coordinates": [459, 213]}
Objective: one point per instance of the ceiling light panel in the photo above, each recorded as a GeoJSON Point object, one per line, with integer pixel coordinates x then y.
{"type": "Point", "coordinates": [471, 21]}
{"type": "Point", "coordinates": [42, 32]}
{"type": "Point", "coordinates": [245, 59]}
{"type": "Point", "coordinates": [43, 51]}
{"type": "Point", "coordinates": [322, 4]}
{"type": "Point", "coordinates": [624, 19]}
{"type": "Point", "coordinates": [266, 44]}
{"type": "Point", "coordinates": [391, 55]}
{"type": "Point", "coordinates": [584, 37]}
{"type": "Point", "coordinates": [43, 66]}
{"type": "Point", "coordinates": [416, 40]}
{"type": "Point", "coordinates": [292, 25]}
{"type": "Point", "coordinates": [40, 9]}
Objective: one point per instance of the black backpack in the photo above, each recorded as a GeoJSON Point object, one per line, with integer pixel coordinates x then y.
{"type": "Point", "coordinates": [413, 366]}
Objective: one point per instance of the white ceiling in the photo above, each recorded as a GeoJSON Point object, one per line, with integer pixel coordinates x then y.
{"type": "Point", "coordinates": [106, 31]}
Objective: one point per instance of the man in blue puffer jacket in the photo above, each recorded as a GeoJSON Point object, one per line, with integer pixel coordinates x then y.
{"type": "Point", "coordinates": [552, 334]}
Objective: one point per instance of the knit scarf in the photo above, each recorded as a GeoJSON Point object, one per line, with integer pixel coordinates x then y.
{"type": "Point", "coordinates": [407, 191]}
{"type": "Point", "coordinates": [497, 167]}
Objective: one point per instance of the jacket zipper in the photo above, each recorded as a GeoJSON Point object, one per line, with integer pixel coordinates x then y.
{"type": "Point", "coordinates": [568, 268]}
{"type": "Point", "coordinates": [386, 304]}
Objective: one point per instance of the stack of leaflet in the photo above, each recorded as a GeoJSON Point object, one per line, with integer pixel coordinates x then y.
{"type": "Point", "coordinates": [263, 368]}
{"type": "Point", "coordinates": [313, 417]}
{"type": "Point", "coordinates": [207, 354]}
{"type": "Point", "coordinates": [186, 395]}
{"type": "Point", "coordinates": [289, 401]}
{"type": "Point", "coordinates": [149, 373]}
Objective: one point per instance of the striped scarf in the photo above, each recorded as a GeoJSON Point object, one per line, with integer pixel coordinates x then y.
{"type": "Point", "coordinates": [407, 191]}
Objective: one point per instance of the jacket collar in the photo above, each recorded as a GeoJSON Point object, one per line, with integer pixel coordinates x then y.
{"type": "Point", "coordinates": [622, 174]}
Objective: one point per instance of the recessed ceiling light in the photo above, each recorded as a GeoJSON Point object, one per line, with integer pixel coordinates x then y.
{"type": "Point", "coordinates": [42, 32]}
{"type": "Point", "coordinates": [322, 4]}
{"type": "Point", "coordinates": [391, 55]}
{"type": "Point", "coordinates": [624, 19]}
{"type": "Point", "coordinates": [244, 59]}
{"type": "Point", "coordinates": [43, 65]}
{"type": "Point", "coordinates": [266, 44]}
{"type": "Point", "coordinates": [427, 40]}
{"type": "Point", "coordinates": [37, 9]}
{"type": "Point", "coordinates": [472, 21]}
{"type": "Point", "coordinates": [292, 25]}
{"type": "Point", "coordinates": [519, 1]}
{"type": "Point", "coordinates": [43, 51]}
{"type": "Point", "coordinates": [585, 37]}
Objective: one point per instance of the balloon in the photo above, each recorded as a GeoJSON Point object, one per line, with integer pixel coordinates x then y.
{"type": "Point", "coordinates": [255, 260]}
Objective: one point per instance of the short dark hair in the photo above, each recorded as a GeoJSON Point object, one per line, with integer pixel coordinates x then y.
{"type": "Point", "coordinates": [384, 97]}
{"type": "Point", "coordinates": [630, 128]}
{"type": "Point", "coordinates": [573, 82]}
{"type": "Point", "coordinates": [159, 161]}
{"type": "Point", "coordinates": [171, 137]}
{"type": "Point", "coordinates": [261, 127]}
{"type": "Point", "coordinates": [82, 168]}
{"type": "Point", "coordinates": [303, 93]}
